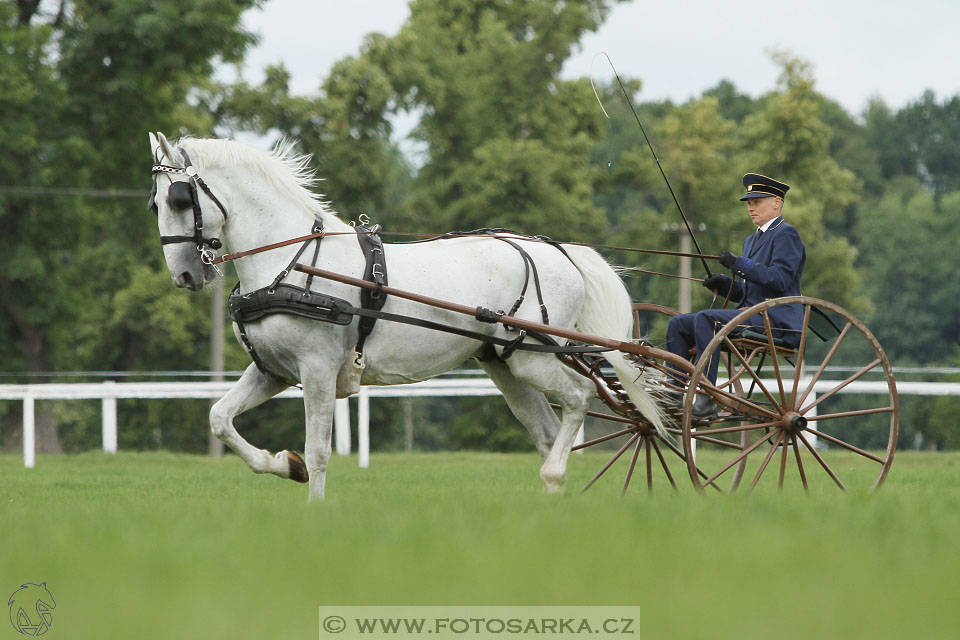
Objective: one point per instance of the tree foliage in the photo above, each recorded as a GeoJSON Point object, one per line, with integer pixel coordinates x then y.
{"type": "Point", "coordinates": [502, 141]}
{"type": "Point", "coordinates": [81, 87]}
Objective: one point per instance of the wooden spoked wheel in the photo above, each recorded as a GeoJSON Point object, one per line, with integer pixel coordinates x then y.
{"type": "Point", "coordinates": [783, 401]}
{"type": "Point", "coordinates": [629, 436]}
{"type": "Point", "coordinates": [656, 454]}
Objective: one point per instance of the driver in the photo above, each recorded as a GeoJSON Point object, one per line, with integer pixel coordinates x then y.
{"type": "Point", "coordinates": [771, 266]}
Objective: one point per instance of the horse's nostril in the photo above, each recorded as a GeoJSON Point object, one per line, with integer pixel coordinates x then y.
{"type": "Point", "coordinates": [185, 279]}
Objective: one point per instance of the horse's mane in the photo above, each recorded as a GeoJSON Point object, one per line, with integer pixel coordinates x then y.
{"type": "Point", "coordinates": [286, 169]}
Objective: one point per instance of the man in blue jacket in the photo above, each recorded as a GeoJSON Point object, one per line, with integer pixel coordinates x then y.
{"type": "Point", "coordinates": [771, 266]}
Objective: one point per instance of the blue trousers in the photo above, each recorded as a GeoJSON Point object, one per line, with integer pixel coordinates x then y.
{"type": "Point", "coordinates": [697, 330]}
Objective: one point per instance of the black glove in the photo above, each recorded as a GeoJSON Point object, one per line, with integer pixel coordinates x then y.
{"type": "Point", "coordinates": [728, 259]}
{"type": "Point", "coordinates": [714, 281]}
{"type": "Point", "coordinates": [718, 283]}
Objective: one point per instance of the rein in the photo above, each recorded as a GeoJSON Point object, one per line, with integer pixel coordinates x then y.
{"type": "Point", "coordinates": [457, 234]}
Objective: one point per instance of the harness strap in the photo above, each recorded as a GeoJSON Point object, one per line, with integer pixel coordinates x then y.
{"type": "Point", "coordinates": [277, 298]}
{"type": "Point", "coordinates": [529, 265]}
{"type": "Point", "coordinates": [240, 320]}
{"type": "Point", "coordinates": [206, 255]}
{"type": "Point", "coordinates": [292, 300]}
{"type": "Point", "coordinates": [213, 243]}
{"type": "Point", "coordinates": [289, 299]}
{"type": "Point", "coordinates": [318, 232]}
{"type": "Point", "coordinates": [515, 344]}
{"type": "Point", "coordinates": [549, 344]}
{"type": "Point", "coordinates": [375, 271]}
{"type": "Point", "coordinates": [283, 274]}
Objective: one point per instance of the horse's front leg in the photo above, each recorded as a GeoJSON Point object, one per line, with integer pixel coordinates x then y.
{"type": "Point", "coordinates": [319, 399]}
{"type": "Point", "coordinates": [253, 388]}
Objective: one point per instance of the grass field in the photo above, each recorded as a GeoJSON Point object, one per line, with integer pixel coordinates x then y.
{"type": "Point", "coordinates": [173, 546]}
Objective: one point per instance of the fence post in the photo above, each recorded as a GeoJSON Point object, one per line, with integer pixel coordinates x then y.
{"type": "Point", "coordinates": [29, 452]}
{"type": "Point", "coordinates": [363, 427]}
{"type": "Point", "coordinates": [812, 424]}
{"type": "Point", "coordinates": [109, 409]}
{"type": "Point", "coordinates": [341, 425]}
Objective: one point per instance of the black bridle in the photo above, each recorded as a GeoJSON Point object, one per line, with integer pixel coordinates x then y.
{"type": "Point", "coordinates": [182, 195]}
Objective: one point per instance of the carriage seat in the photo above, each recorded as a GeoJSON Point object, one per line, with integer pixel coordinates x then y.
{"type": "Point", "coordinates": [761, 336]}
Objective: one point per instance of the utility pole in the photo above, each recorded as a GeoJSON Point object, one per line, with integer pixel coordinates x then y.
{"type": "Point", "coordinates": [685, 291]}
{"type": "Point", "coordinates": [684, 303]}
{"type": "Point", "coordinates": [408, 425]}
{"type": "Point", "coordinates": [217, 319]}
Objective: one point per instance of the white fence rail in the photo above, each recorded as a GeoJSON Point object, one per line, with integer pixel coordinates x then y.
{"type": "Point", "coordinates": [109, 392]}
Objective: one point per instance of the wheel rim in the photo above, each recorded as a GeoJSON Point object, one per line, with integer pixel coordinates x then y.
{"type": "Point", "coordinates": [800, 428]}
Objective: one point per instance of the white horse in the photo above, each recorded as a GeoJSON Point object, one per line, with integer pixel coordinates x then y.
{"type": "Point", "coordinates": [251, 198]}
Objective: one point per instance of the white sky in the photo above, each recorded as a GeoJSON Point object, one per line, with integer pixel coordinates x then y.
{"type": "Point", "coordinates": [894, 49]}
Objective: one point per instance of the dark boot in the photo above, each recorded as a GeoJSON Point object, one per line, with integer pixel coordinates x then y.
{"type": "Point", "coordinates": [704, 407]}
{"type": "Point", "coordinates": [673, 399]}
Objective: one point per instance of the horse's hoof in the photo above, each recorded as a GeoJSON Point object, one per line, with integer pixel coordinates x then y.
{"type": "Point", "coordinates": [298, 468]}
{"type": "Point", "coordinates": [554, 489]}
{"type": "Point", "coordinates": [554, 485]}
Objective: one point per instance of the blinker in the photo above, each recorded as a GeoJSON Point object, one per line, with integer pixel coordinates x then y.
{"type": "Point", "coordinates": [180, 196]}
{"type": "Point", "coordinates": [152, 202]}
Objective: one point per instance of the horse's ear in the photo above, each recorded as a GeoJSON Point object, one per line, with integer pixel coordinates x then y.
{"type": "Point", "coordinates": [154, 147]}
{"type": "Point", "coordinates": [166, 147]}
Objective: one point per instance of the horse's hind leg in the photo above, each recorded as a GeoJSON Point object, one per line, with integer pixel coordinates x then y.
{"type": "Point", "coordinates": [528, 405]}
{"type": "Point", "coordinates": [572, 391]}
{"type": "Point", "coordinates": [319, 399]}
{"type": "Point", "coordinates": [253, 388]}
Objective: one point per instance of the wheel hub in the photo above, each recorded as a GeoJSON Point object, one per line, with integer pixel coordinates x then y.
{"type": "Point", "coordinates": [794, 422]}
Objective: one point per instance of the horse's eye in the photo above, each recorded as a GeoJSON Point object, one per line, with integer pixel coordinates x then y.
{"type": "Point", "coordinates": [152, 202]}
{"type": "Point", "coordinates": [180, 196]}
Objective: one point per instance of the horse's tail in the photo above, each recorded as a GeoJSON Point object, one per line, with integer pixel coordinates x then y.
{"type": "Point", "coordinates": [608, 312]}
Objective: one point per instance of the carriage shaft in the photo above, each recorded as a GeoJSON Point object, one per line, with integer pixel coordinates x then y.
{"type": "Point", "coordinates": [511, 321]}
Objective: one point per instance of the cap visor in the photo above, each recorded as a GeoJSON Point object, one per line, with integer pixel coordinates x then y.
{"type": "Point", "coordinates": [756, 195]}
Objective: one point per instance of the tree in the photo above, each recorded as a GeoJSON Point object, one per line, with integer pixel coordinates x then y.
{"type": "Point", "coordinates": [704, 151]}
{"type": "Point", "coordinates": [907, 238]}
{"type": "Point", "coordinates": [919, 140]}
{"type": "Point", "coordinates": [346, 129]}
{"type": "Point", "coordinates": [787, 138]}
{"type": "Point", "coordinates": [506, 138]}
{"type": "Point", "coordinates": [694, 143]}
{"type": "Point", "coordinates": [80, 88]}
{"type": "Point", "coordinates": [733, 105]}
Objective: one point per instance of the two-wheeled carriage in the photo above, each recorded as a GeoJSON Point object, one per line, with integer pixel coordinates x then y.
{"type": "Point", "coordinates": [776, 401]}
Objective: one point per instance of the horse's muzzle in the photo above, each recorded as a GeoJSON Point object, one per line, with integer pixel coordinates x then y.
{"type": "Point", "coordinates": [186, 280]}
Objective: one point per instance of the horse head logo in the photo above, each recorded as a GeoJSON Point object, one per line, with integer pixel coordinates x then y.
{"type": "Point", "coordinates": [31, 609]}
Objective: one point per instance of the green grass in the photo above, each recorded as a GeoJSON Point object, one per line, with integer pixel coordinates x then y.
{"type": "Point", "coordinates": [173, 546]}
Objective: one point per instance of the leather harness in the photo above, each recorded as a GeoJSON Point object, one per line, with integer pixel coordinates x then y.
{"type": "Point", "coordinates": [279, 297]}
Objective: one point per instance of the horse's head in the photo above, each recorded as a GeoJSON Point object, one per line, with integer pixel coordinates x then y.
{"type": "Point", "coordinates": [189, 216]}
